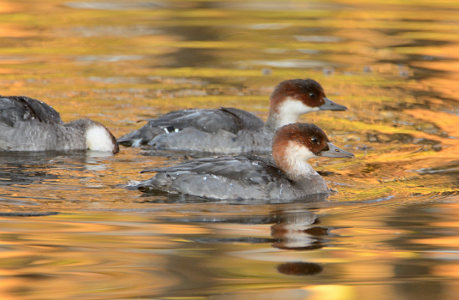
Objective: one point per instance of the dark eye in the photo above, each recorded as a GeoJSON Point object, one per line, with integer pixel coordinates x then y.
{"type": "Point", "coordinates": [314, 140]}
{"type": "Point", "coordinates": [312, 95]}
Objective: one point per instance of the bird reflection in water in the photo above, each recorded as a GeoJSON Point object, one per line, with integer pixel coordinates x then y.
{"type": "Point", "coordinates": [293, 227]}
{"type": "Point", "coordinates": [298, 230]}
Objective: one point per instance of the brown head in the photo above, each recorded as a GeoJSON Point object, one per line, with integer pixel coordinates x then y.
{"type": "Point", "coordinates": [292, 98]}
{"type": "Point", "coordinates": [295, 143]}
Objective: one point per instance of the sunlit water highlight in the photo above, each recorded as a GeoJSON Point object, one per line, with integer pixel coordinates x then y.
{"type": "Point", "coordinates": [69, 228]}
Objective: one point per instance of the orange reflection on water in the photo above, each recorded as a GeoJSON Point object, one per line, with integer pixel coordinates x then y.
{"type": "Point", "coordinates": [450, 270]}
{"type": "Point", "coordinates": [447, 122]}
{"type": "Point", "coordinates": [81, 254]}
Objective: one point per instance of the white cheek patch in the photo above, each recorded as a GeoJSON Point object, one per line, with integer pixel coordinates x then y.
{"type": "Point", "coordinates": [291, 109]}
{"type": "Point", "coordinates": [294, 106]}
{"type": "Point", "coordinates": [297, 152]}
{"type": "Point", "coordinates": [98, 139]}
{"type": "Point", "coordinates": [297, 155]}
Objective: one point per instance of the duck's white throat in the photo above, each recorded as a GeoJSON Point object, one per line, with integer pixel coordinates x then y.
{"type": "Point", "coordinates": [290, 110]}
{"type": "Point", "coordinates": [296, 157]}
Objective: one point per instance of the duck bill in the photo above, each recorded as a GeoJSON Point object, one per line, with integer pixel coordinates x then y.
{"type": "Point", "coordinates": [334, 151]}
{"type": "Point", "coordinates": [330, 105]}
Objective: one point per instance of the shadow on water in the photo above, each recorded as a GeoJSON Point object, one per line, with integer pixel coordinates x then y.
{"type": "Point", "coordinates": [164, 197]}
{"type": "Point", "coordinates": [25, 168]}
{"type": "Point", "coordinates": [33, 180]}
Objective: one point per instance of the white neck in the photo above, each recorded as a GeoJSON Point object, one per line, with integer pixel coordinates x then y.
{"type": "Point", "coordinates": [288, 112]}
{"type": "Point", "coordinates": [296, 157]}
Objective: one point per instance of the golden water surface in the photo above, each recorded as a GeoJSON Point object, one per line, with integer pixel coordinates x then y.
{"type": "Point", "coordinates": [70, 230]}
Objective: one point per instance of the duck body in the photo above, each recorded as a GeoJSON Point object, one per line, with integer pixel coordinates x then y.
{"type": "Point", "coordinates": [28, 124]}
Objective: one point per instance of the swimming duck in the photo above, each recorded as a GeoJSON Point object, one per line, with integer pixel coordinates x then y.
{"type": "Point", "coordinates": [285, 176]}
{"type": "Point", "coordinates": [231, 130]}
{"type": "Point", "coordinates": [28, 124]}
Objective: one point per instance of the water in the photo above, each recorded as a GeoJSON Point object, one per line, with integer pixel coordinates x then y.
{"type": "Point", "coordinates": [70, 230]}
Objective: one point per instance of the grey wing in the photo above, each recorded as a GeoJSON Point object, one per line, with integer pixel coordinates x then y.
{"type": "Point", "coordinates": [240, 177]}
{"type": "Point", "coordinates": [244, 119]}
{"type": "Point", "coordinates": [19, 109]}
{"type": "Point", "coordinates": [208, 120]}
{"type": "Point", "coordinates": [204, 120]}
{"type": "Point", "coordinates": [249, 169]}
{"type": "Point", "coordinates": [171, 122]}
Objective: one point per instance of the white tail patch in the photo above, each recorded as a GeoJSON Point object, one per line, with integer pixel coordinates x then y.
{"type": "Point", "coordinates": [99, 139]}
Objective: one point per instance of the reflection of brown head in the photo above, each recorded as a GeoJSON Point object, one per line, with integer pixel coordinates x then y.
{"type": "Point", "coordinates": [299, 268]}
{"type": "Point", "coordinates": [296, 231]}
{"type": "Point", "coordinates": [303, 243]}
{"type": "Point", "coordinates": [308, 91]}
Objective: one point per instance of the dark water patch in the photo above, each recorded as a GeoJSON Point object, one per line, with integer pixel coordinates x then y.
{"type": "Point", "coordinates": [419, 43]}
{"type": "Point", "coordinates": [385, 138]}
{"type": "Point", "coordinates": [413, 57]}
{"type": "Point", "coordinates": [15, 176]}
{"type": "Point", "coordinates": [277, 215]}
{"type": "Point", "coordinates": [300, 268]}
{"type": "Point", "coordinates": [452, 168]}
{"type": "Point", "coordinates": [242, 240]}
{"type": "Point", "coordinates": [27, 214]}
{"type": "Point", "coordinates": [152, 197]}
{"type": "Point", "coordinates": [17, 202]}
{"type": "Point", "coordinates": [34, 276]}
{"type": "Point", "coordinates": [253, 219]}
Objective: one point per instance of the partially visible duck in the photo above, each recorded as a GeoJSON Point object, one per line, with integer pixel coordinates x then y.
{"type": "Point", "coordinates": [231, 130]}
{"type": "Point", "coordinates": [28, 124]}
{"type": "Point", "coordinates": [246, 177]}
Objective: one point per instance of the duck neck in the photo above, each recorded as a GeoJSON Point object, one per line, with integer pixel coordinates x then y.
{"type": "Point", "coordinates": [292, 160]}
{"type": "Point", "coordinates": [286, 112]}
{"type": "Point", "coordinates": [277, 120]}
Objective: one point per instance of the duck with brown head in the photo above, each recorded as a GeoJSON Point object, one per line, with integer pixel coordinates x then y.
{"type": "Point", "coordinates": [247, 177]}
{"type": "Point", "coordinates": [231, 130]}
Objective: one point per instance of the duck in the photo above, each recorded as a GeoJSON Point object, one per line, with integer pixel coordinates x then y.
{"type": "Point", "coordinates": [286, 175]}
{"type": "Point", "coordinates": [28, 124]}
{"type": "Point", "coordinates": [229, 130]}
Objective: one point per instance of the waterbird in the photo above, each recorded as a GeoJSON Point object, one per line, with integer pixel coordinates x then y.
{"type": "Point", "coordinates": [27, 124]}
{"type": "Point", "coordinates": [230, 130]}
{"type": "Point", "coordinates": [284, 176]}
